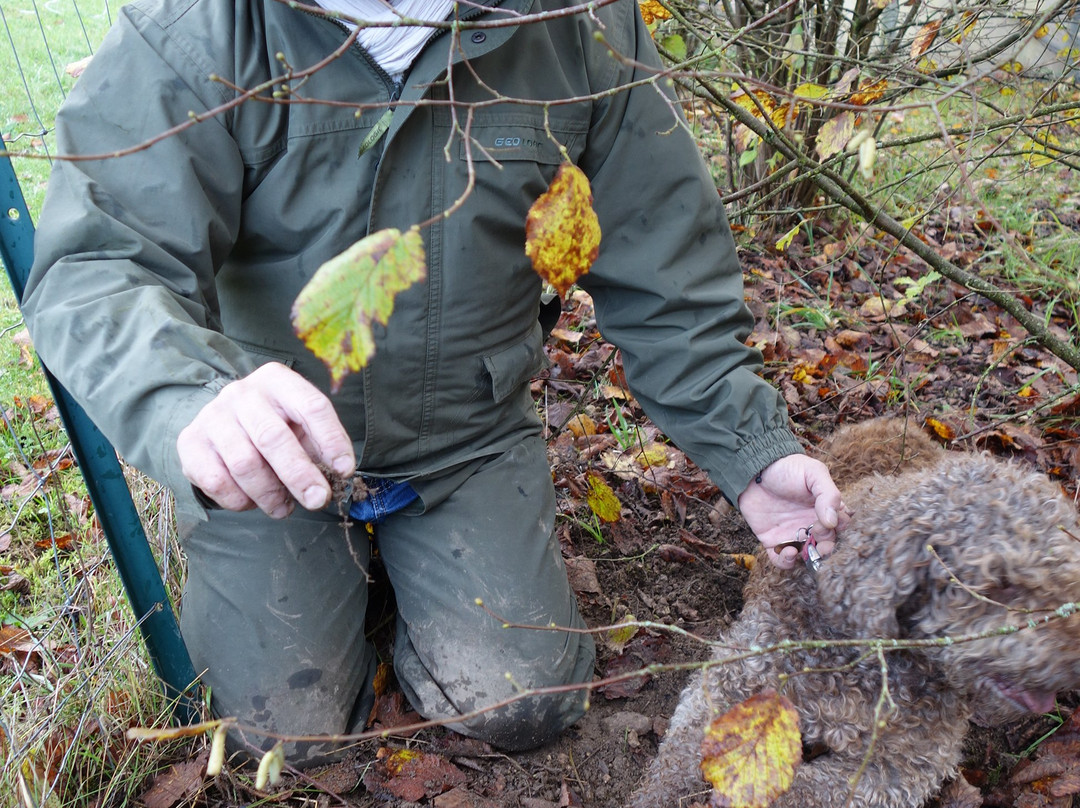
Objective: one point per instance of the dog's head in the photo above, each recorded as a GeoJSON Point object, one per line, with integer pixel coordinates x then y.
{"type": "Point", "coordinates": [970, 546]}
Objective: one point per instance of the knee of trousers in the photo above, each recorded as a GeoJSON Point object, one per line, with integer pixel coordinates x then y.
{"type": "Point", "coordinates": [490, 705]}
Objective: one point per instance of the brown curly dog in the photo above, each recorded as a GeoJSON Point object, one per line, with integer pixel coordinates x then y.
{"type": "Point", "coordinates": [954, 544]}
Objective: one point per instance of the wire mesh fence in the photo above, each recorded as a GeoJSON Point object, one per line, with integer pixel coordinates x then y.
{"type": "Point", "coordinates": [43, 48]}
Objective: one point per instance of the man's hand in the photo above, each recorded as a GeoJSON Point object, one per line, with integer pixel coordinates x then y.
{"type": "Point", "coordinates": [257, 443]}
{"type": "Point", "coordinates": [795, 492]}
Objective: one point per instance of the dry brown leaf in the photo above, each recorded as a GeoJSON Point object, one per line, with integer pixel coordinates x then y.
{"type": "Point", "coordinates": [959, 793]}
{"type": "Point", "coordinates": [582, 574]}
{"type": "Point", "coordinates": [178, 782]}
{"type": "Point", "coordinates": [409, 774]}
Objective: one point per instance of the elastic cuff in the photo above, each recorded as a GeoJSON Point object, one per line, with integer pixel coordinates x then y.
{"type": "Point", "coordinates": [754, 457]}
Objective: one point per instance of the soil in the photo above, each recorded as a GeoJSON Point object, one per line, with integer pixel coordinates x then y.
{"type": "Point", "coordinates": [687, 574]}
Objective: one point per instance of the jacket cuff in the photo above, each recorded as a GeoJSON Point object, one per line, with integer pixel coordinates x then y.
{"type": "Point", "coordinates": [753, 457]}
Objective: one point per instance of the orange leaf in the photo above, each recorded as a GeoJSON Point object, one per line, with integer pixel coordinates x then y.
{"type": "Point", "coordinates": [581, 425]}
{"type": "Point", "coordinates": [869, 93]}
{"type": "Point", "coordinates": [62, 542]}
{"type": "Point", "coordinates": [411, 775]}
{"type": "Point", "coordinates": [750, 753]}
{"type": "Point", "coordinates": [924, 38]}
{"type": "Point", "coordinates": [562, 231]}
{"type": "Point", "coordinates": [651, 11]}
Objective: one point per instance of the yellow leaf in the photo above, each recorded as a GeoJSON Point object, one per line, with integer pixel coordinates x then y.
{"type": "Point", "coordinates": [334, 313]}
{"type": "Point", "coordinates": [785, 240]}
{"type": "Point", "coordinates": [654, 454]}
{"type": "Point", "coordinates": [941, 429]}
{"type": "Point", "coordinates": [617, 638]}
{"type": "Point", "coordinates": [811, 91]}
{"type": "Point", "coordinates": [750, 753]}
{"type": "Point", "coordinates": [969, 21]}
{"type": "Point", "coordinates": [651, 11]}
{"type": "Point", "coordinates": [602, 500]}
{"type": "Point", "coordinates": [581, 425]}
{"type": "Point", "coordinates": [924, 38]}
{"type": "Point", "coordinates": [834, 134]}
{"type": "Point", "coordinates": [562, 231]}
{"type": "Point", "coordinates": [756, 102]}
{"type": "Point", "coordinates": [1040, 151]}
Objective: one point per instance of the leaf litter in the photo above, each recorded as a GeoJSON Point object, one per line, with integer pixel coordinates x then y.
{"type": "Point", "coordinates": [847, 332]}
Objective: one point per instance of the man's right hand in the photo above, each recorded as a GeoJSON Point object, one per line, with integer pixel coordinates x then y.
{"type": "Point", "coordinates": [257, 443]}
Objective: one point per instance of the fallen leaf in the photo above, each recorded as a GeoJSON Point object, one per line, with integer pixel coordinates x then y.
{"type": "Point", "coordinates": [562, 231]}
{"type": "Point", "coordinates": [26, 347]}
{"type": "Point", "coordinates": [391, 710]}
{"type": "Point", "coordinates": [460, 797]}
{"type": "Point", "coordinates": [675, 554]}
{"type": "Point", "coordinates": [568, 798]}
{"type": "Point", "coordinates": [959, 793]}
{"type": "Point", "coordinates": [76, 68]}
{"type": "Point", "coordinates": [581, 571]}
{"type": "Point", "coordinates": [602, 500]}
{"type": "Point", "coordinates": [409, 774]}
{"type": "Point", "coordinates": [64, 542]}
{"type": "Point", "coordinates": [581, 425]}
{"type": "Point", "coordinates": [750, 753]}
{"type": "Point", "coordinates": [618, 637]}
{"type": "Point", "coordinates": [334, 313]}
{"type": "Point", "coordinates": [179, 782]}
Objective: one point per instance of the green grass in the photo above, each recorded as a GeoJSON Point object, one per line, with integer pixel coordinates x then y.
{"type": "Point", "coordinates": [37, 42]}
{"type": "Point", "coordinates": [1022, 243]}
{"type": "Point", "coordinates": [65, 705]}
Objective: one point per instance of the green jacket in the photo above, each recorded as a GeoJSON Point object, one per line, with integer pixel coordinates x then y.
{"type": "Point", "coordinates": [163, 275]}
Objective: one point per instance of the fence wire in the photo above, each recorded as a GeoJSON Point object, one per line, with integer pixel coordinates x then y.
{"type": "Point", "coordinates": [43, 46]}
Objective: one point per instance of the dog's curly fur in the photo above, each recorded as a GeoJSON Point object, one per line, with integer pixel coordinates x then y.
{"type": "Point", "coordinates": [1005, 550]}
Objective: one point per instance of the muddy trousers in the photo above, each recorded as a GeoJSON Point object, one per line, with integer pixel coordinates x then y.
{"type": "Point", "coordinates": [273, 613]}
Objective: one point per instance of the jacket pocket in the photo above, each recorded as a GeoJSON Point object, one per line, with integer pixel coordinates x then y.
{"type": "Point", "coordinates": [513, 367]}
{"type": "Point", "coordinates": [513, 137]}
{"type": "Point", "coordinates": [263, 355]}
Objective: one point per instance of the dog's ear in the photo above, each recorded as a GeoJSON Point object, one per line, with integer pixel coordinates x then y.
{"type": "Point", "coordinates": [870, 594]}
